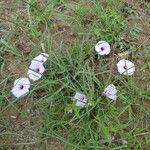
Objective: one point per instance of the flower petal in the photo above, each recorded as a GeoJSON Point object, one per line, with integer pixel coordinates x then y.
{"type": "Point", "coordinates": [41, 58]}
{"type": "Point", "coordinates": [45, 54]}
{"type": "Point", "coordinates": [79, 96]}
{"type": "Point", "coordinates": [80, 104]}
{"type": "Point", "coordinates": [33, 75]}
{"type": "Point", "coordinates": [20, 93]}
{"type": "Point", "coordinates": [22, 80]}
{"type": "Point", "coordinates": [113, 97]}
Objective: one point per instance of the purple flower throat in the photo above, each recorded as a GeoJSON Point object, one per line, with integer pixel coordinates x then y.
{"type": "Point", "coordinates": [82, 98]}
{"type": "Point", "coordinates": [125, 67]}
{"type": "Point", "coordinates": [108, 93]}
{"type": "Point", "coordinates": [37, 70]}
{"type": "Point", "coordinates": [102, 48]}
{"type": "Point", "coordinates": [21, 87]}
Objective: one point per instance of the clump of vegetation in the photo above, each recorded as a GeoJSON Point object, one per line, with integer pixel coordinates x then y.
{"type": "Point", "coordinates": [70, 29]}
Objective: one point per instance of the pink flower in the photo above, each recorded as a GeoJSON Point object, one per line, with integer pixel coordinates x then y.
{"type": "Point", "coordinates": [81, 99]}
{"type": "Point", "coordinates": [35, 71]}
{"type": "Point", "coordinates": [41, 58]}
{"type": "Point", "coordinates": [125, 67]}
{"type": "Point", "coordinates": [110, 92]}
{"type": "Point", "coordinates": [102, 48]}
{"type": "Point", "coordinates": [21, 87]}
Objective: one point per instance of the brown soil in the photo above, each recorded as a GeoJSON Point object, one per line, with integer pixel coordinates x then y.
{"type": "Point", "coordinates": [62, 34]}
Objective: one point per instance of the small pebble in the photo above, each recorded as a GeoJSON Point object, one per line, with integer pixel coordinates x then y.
{"type": "Point", "coordinates": [13, 117]}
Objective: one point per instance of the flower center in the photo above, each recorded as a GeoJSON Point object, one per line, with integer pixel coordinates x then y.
{"type": "Point", "coordinates": [105, 92]}
{"type": "Point", "coordinates": [37, 70]}
{"type": "Point", "coordinates": [21, 87]}
{"type": "Point", "coordinates": [82, 98]}
{"type": "Point", "coordinates": [108, 93]}
{"type": "Point", "coordinates": [102, 48]}
{"type": "Point", "coordinates": [125, 67]}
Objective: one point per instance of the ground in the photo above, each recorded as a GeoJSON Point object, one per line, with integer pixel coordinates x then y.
{"type": "Point", "coordinates": [69, 30]}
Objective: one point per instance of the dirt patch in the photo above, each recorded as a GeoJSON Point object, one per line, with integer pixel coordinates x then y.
{"type": "Point", "coordinates": [129, 2]}
{"type": "Point", "coordinates": [144, 34]}
{"type": "Point", "coordinates": [13, 67]}
{"type": "Point", "coordinates": [21, 118]}
{"type": "Point", "coordinates": [16, 67]}
{"type": "Point", "coordinates": [124, 117]}
{"type": "Point", "coordinates": [55, 145]}
{"type": "Point", "coordinates": [62, 34]}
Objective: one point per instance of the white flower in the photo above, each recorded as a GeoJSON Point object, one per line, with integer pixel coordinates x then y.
{"type": "Point", "coordinates": [110, 92]}
{"type": "Point", "coordinates": [125, 67]}
{"type": "Point", "coordinates": [102, 48]}
{"type": "Point", "coordinates": [35, 71]}
{"type": "Point", "coordinates": [41, 58]}
{"type": "Point", "coordinates": [81, 99]}
{"type": "Point", "coordinates": [21, 87]}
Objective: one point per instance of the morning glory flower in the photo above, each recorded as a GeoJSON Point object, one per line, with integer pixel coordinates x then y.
{"type": "Point", "coordinates": [41, 58]}
{"type": "Point", "coordinates": [102, 48]}
{"type": "Point", "coordinates": [125, 67]}
{"type": "Point", "coordinates": [35, 71]}
{"type": "Point", "coordinates": [21, 87]}
{"type": "Point", "coordinates": [81, 99]}
{"type": "Point", "coordinates": [110, 92]}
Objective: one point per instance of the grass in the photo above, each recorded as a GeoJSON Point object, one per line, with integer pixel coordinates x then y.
{"type": "Point", "coordinates": [70, 29]}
